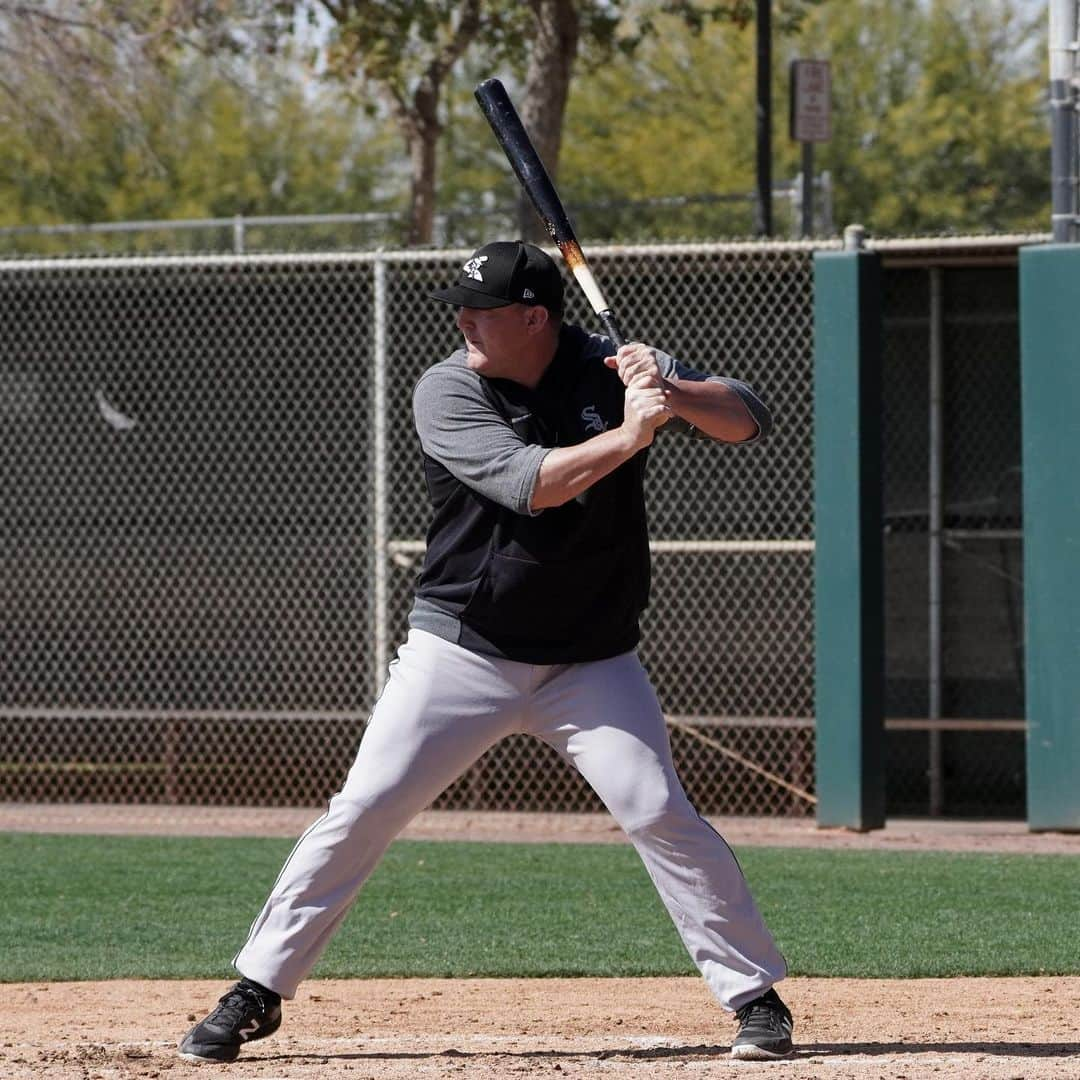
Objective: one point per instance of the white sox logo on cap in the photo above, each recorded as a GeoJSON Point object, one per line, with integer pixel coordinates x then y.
{"type": "Point", "coordinates": [472, 267]}
{"type": "Point", "coordinates": [506, 272]}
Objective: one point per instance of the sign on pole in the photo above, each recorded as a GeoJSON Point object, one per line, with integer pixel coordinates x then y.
{"type": "Point", "coordinates": [810, 122]}
{"type": "Point", "coordinates": [811, 109]}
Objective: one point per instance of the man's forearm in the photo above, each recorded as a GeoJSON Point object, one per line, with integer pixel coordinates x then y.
{"type": "Point", "coordinates": [567, 471]}
{"type": "Point", "coordinates": [713, 408]}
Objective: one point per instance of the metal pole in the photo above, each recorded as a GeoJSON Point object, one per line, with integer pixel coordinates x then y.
{"type": "Point", "coordinates": [764, 117]}
{"type": "Point", "coordinates": [380, 463]}
{"type": "Point", "coordinates": [936, 523]}
{"type": "Point", "coordinates": [807, 228]}
{"type": "Point", "coordinates": [1063, 121]}
{"type": "Point", "coordinates": [825, 180]}
{"type": "Point", "coordinates": [238, 234]}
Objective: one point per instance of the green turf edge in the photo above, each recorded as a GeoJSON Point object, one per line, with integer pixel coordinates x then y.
{"type": "Point", "coordinates": [89, 907]}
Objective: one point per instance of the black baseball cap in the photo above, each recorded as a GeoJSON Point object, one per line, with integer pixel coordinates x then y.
{"type": "Point", "coordinates": [506, 272]}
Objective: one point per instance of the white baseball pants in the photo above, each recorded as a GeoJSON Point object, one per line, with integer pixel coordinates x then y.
{"type": "Point", "coordinates": [441, 709]}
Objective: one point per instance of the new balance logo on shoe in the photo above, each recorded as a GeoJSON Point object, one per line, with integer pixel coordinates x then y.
{"type": "Point", "coordinates": [242, 1015]}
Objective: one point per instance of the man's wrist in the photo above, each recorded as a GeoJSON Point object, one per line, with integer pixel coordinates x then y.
{"type": "Point", "coordinates": [674, 394]}
{"type": "Point", "coordinates": [630, 439]}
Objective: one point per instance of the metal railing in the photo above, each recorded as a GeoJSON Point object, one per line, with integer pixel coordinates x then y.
{"type": "Point", "coordinates": [239, 234]}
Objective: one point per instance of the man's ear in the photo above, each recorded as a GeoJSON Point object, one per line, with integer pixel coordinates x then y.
{"type": "Point", "coordinates": [536, 318]}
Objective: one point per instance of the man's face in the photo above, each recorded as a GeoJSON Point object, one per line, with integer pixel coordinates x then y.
{"type": "Point", "coordinates": [495, 339]}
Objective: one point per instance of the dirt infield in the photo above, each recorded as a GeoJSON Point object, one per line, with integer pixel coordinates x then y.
{"type": "Point", "coordinates": [997, 1029]}
{"type": "Point", "coordinates": [487, 1029]}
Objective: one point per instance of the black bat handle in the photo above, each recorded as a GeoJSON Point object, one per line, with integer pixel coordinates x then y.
{"type": "Point", "coordinates": [611, 325]}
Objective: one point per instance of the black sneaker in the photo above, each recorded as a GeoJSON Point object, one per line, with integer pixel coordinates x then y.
{"type": "Point", "coordinates": [764, 1029]}
{"type": "Point", "coordinates": [242, 1015]}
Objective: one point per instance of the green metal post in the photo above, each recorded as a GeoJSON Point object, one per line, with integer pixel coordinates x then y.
{"type": "Point", "coordinates": [1050, 391]}
{"type": "Point", "coordinates": [848, 576]}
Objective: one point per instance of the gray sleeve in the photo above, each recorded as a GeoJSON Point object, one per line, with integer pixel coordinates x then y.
{"type": "Point", "coordinates": [677, 371]}
{"type": "Point", "coordinates": [461, 430]}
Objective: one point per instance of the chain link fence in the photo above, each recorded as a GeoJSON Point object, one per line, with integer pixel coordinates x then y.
{"type": "Point", "coordinates": [953, 545]}
{"type": "Point", "coordinates": [214, 513]}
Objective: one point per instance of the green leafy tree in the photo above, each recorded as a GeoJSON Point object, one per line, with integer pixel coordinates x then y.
{"type": "Point", "coordinates": [199, 146]}
{"type": "Point", "coordinates": [175, 108]}
{"type": "Point", "coordinates": [939, 117]}
{"type": "Point", "coordinates": [673, 120]}
{"type": "Point", "coordinates": [939, 120]}
{"type": "Point", "coordinates": [606, 30]}
{"type": "Point", "coordinates": [406, 51]}
{"type": "Point", "coordinates": [167, 107]}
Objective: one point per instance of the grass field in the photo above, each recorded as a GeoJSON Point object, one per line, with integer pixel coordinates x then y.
{"type": "Point", "coordinates": [87, 907]}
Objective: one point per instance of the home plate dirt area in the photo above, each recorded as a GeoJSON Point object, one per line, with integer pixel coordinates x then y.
{"type": "Point", "coordinates": [983, 1029]}
{"type": "Point", "coordinates": [487, 1028]}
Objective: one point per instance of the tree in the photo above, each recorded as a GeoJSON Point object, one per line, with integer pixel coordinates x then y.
{"type": "Point", "coordinates": [406, 50]}
{"type": "Point", "coordinates": [939, 107]}
{"type": "Point", "coordinates": [608, 28]}
{"type": "Point", "coordinates": [938, 115]}
{"type": "Point", "coordinates": [199, 145]}
{"type": "Point", "coordinates": [59, 59]}
{"type": "Point", "coordinates": [938, 121]}
{"type": "Point", "coordinates": [104, 53]}
{"type": "Point", "coordinates": [548, 73]}
{"type": "Point", "coordinates": [617, 154]}
{"type": "Point", "coordinates": [674, 122]}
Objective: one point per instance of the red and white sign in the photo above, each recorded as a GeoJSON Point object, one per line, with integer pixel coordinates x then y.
{"type": "Point", "coordinates": [811, 104]}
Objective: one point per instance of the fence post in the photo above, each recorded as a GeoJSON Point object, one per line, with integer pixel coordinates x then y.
{"type": "Point", "coordinates": [936, 527]}
{"type": "Point", "coordinates": [379, 464]}
{"type": "Point", "coordinates": [1064, 183]}
{"type": "Point", "coordinates": [848, 563]}
{"type": "Point", "coordinates": [1050, 404]}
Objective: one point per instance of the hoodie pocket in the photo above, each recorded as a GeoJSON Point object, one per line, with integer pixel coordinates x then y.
{"type": "Point", "coordinates": [552, 602]}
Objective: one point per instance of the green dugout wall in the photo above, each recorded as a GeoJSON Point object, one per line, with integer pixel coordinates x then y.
{"type": "Point", "coordinates": [1050, 382]}
{"type": "Point", "coordinates": [848, 575]}
{"type": "Point", "coordinates": [850, 667]}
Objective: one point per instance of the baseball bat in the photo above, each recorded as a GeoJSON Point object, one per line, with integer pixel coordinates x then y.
{"type": "Point", "coordinates": [533, 177]}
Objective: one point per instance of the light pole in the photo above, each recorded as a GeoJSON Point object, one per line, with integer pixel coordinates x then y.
{"type": "Point", "coordinates": [764, 117]}
{"type": "Point", "coordinates": [1063, 123]}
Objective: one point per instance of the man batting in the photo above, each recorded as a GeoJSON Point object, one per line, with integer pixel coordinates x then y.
{"type": "Point", "coordinates": [534, 437]}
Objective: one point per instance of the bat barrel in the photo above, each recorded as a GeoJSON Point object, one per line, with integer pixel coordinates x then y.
{"type": "Point", "coordinates": [499, 110]}
{"type": "Point", "coordinates": [510, 132]}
